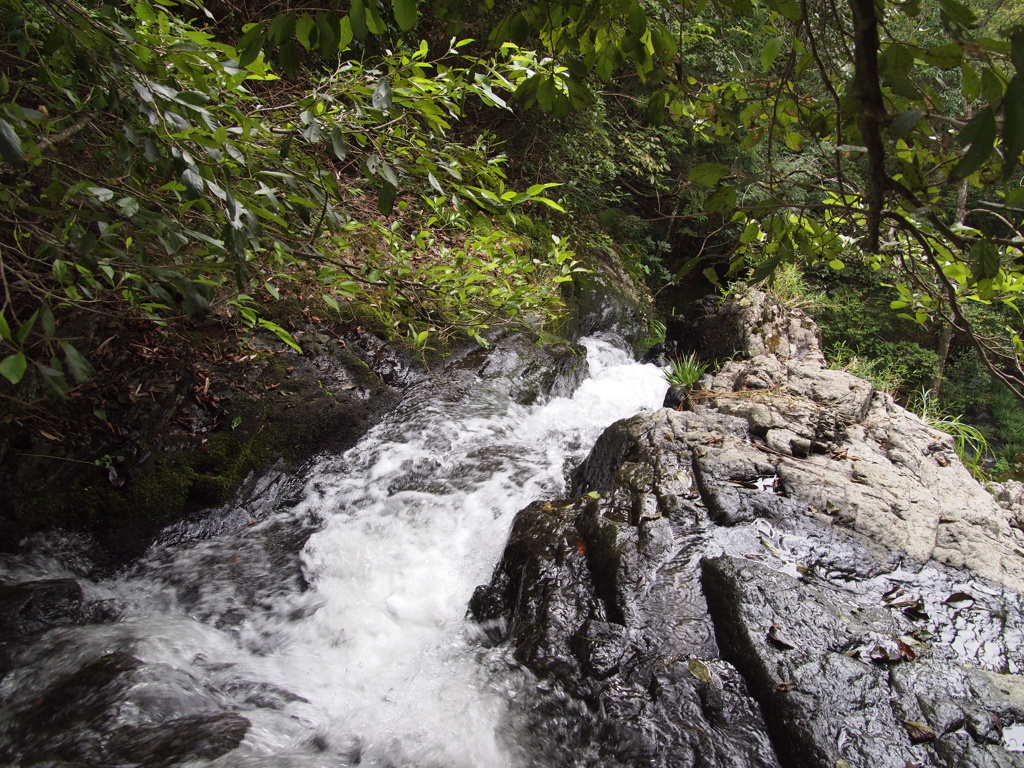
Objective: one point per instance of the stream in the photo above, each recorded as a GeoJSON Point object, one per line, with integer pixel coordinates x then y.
{"type": "Point", "coordinates": [321, 622]}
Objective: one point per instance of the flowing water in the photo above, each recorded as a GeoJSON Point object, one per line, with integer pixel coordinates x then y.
{"type": "Point", "coordinates": [330, 613]}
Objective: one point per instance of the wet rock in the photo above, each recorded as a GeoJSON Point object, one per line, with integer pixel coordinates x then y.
{"type": "Point", "coordinates": [37, 606]}
{"type": "Point", "coordinates": [526, 372]}
{"type": "Point", "coordinates": [604, 301]}
{"type": "Point", "coordinates": [598, 596]}
{"type": "Point", "coordinates": [118, 711]}
{"type": "Point", "coordinates": [795, 569]}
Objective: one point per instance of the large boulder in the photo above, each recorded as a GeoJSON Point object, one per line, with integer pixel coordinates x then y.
{"type": "Point", "coordinates": [795, 571]}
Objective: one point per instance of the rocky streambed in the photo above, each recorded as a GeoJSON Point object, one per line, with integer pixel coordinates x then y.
{"type": "Point", "coordinates": [796, 571]}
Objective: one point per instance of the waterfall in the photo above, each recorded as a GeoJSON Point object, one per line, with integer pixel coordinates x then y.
{"type": "Point", "coordinates": [330, 613]}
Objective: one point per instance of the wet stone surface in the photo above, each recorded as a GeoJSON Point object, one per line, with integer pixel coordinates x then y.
{"type": "Point", "coordinates": [794, 571]}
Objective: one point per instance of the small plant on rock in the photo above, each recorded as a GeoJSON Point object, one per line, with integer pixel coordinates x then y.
{"type": "Point", "coordinates": [684, 371]}
{"type": "Point", "coordinates": [971, 444]}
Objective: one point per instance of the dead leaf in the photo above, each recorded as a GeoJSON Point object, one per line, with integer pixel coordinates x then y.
{"type": "Point", "coordinates": [53, 438]}
{"type": "Point", "coordinates": [778, 637]}
{"type": "Point", "coordinates": [906, 652]}
{"type": "Point", "coordinates": [581, 548]}
{"type": "Point", "coordinates": [960, 600]}
{"type": "Point", "coordinates": [919, 732]}
{"type": "Point", "coordinates": [699, 670]}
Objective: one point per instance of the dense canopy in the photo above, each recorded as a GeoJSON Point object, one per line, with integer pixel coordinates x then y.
{"type": "Point", "coordinates": [453, 164]}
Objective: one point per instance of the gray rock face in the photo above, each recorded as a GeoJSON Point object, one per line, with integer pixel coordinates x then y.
{"type": "Point", "coordinates": [796, 571]}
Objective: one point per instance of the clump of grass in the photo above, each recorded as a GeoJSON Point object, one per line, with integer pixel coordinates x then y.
{"type": "Point", "coordinates": [971, 444]}
{"type": "Point", "coordinates": [885, 375]}
{"type": "Point", "coordinates": [684, 371]}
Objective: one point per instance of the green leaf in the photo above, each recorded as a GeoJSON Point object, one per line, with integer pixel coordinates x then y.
{"type": "Point", "coordinates": [288, 57]}
{"type": "Point", "coordinates": [948, 56]}
{"type": "Point", "coordinates": [5, 329]}
{"type": "Point", "coordinates": [992, 85]}
{"type": "Point", "coordinates": [357, 17]}
{"type": "Point", "coordinates": [1013, 125]}
{"type": "Point", "coordinates": [328, 27]}
{"type": "Point", "coordinates": [794, 141]}
{"type": "Point", "coordinates": [1017, 49]}
{"type": "Point", "coordinates": [770, 52]}
{"type": "Point", "coordinates": [382, 95]}
{"type": "Point", "coordinates": [980, 134]}
{"type": "Point", "coordinates": [708, 174]}
{"type": "Point", "coordinates": [765, 268]}
{"type": "Point", "coordinates": [26, 328]}
{"type": "Point", "coordinates": [281, 28]}
{"type": "Point", "coordinates": [984, 260]}
{"type": "Point", "coordinates": [656, 108]}
{"type": "Point", "coordinates": [788, 8]}
{"type": "Point", "coordinates": [545, 92]}
{"type": "Point", "coordinates": [346, 33]}
{"type": "Point", "coordinates": [373, 20]}
{"type": "Point", "coordinates": [49, 323]}
{"type": "Point", "coordinates": [637, 19]}
{"type": "Point", "coordinates": [281, 333]}
{"type": "Point", "coordinates": [958, 13]}
{"type": "Point", "coordinates": [905, 122]}
{"type": "Point", "coordinates": [250, 45]}
{"type": "Point", "coordinates": [144, 11]}
{"type": "Point", "coordinates": [13, 367]}
{"type": "Point", "coordinates": [10, 144]}
{"type": "Point", "coordinates": [549, 203]}
{"type": "Point", "coordinates": [386, 198]}
{"type": "Point", "coordinates": [303, 30]}
{"type": "Point", "coordinates": [971, 82]}
{"type": "Point", "coordinates": [77, 364]}
{"type": "Point", "coordinates": [405, 13]}
{"type": "Point", "coordinates": [338, 143]}
{"type": "Point", "coordinates": [721, 200]}
{"type": "Point", "coordinates": [192, 182]}
{"type": "Point", "coordinates": [837, 264]}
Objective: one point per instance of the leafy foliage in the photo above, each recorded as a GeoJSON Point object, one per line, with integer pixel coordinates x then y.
{"type": "Point", "coordinates": [151, 167]}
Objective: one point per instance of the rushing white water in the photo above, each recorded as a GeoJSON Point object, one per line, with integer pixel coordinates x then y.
{"type": "Point", "coordinates": [408, 522]}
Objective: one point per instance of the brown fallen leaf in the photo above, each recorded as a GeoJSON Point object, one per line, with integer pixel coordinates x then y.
{"type": "Point", "coordinates": [777, 636]}
{"type": "Point", "coordinates": [960, 600]}
{"type": "Point", "coordinates": [919, 732]}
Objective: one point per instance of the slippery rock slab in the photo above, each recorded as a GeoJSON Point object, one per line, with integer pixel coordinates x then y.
{"type": "Point", "coordinates": [830, 688]}
{"type": "Point", "coordinates": [602, 600]}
